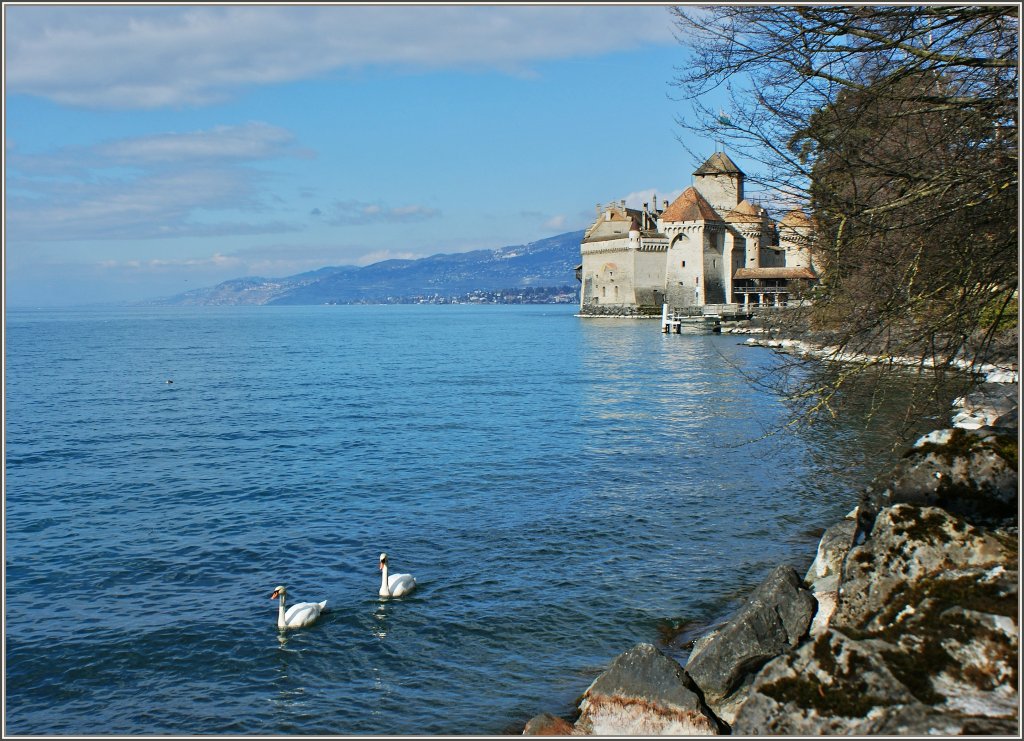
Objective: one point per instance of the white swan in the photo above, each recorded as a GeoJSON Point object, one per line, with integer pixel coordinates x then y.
{"type": "Point", "coordinates": [299, 615]}
{"type": "Point", "coordinates": [395, 585]}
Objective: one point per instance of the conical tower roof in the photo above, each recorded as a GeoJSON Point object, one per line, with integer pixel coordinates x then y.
{"type": "Point", "coordinates": [690, 206]}
{"type": "Point", "coordinates": [745, 213]}
{"type": "Point", "coordinates": [718, 164]}
{"type": "Point", "coordinates": [796, 218]}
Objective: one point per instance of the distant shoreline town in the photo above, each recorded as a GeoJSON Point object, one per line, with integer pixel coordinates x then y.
{"type": "Point", "coordinates": [539, 295]}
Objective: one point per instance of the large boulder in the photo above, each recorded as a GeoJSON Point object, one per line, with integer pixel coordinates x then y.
{"type": "Point", "coordinates": [547, 724]}
{"type": "Point", "coordinates": [835, 685]}
{"type": "Point", "coordinates": [971, 473]}
{"type": "Point", "coordinates": [774, 618]}
{"type": "Point", "coordinates": [827, 686]}
{"type": "Point", "coordinates": [913, 550]}
{"type": "Point", "coordinates": [991, 405]}
{"type": "Point", "coordinates": [643, 693]}
{"type": "Point", "coordinates": [826, 570]}
{"type": "Point", "coordinates": [923, 640]}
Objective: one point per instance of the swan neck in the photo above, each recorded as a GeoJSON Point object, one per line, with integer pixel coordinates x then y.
{"type": "Point", "coordinates": [384, 580]}
{"type": "Point", "coordinates": [280, 612]}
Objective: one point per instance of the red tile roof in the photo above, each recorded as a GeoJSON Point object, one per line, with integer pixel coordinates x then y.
{"type": "Point", "coordinates": [775, 273]}
{"type": "Point", "coordinates": [690, 206]}
{"type": "Point", "coordinates": [745, 213]}
{"type": "Point", "coordinates": [796, 217]}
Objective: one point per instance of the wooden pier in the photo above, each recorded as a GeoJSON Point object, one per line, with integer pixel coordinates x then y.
{"type": "Point", "coordinates": [707, 318]}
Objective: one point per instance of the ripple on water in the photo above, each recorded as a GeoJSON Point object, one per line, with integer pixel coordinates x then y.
{"type": "Point", "coordinates": [557, 488]}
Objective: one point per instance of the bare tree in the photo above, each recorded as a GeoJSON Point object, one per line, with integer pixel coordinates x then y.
{"type": "Point", "coordinates": [896, 126]}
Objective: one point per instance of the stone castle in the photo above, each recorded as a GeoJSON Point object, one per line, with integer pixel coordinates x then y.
{"type": "Point", "coordinates": [710, 246]}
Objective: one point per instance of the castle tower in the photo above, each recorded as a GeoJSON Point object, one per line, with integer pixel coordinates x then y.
{"type": "Point", "coordinates": [750, 231]}
{"type": "Point", "coordinates": [696, 269]}
{"type": "Point", "coordinates": [720, 181]}
{"type": "Point", "coordinates": [753, 229]}
{"type": "Point", "coordinates": [795, 232]}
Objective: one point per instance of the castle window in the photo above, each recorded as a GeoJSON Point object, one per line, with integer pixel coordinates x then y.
{"type": "Point", "coordinates": [682, 263]}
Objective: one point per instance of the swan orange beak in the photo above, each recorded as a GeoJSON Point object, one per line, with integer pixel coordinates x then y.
{"type": "Point", "coordinates": [274, 595]}
{"type": "Point", "coordinates": [380, 566]}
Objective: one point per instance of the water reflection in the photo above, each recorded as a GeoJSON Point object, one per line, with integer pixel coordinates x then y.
{"type": "Point", "coordinates": [705, 420]}
{"type": "Point", "coordinates": [288, 695]}
{"type": "Point", "coordinates": [380, 619]}
{"type": "Point", "coordinates": [283, 652]}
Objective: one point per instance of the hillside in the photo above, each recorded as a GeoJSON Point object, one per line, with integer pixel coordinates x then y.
{"type": "Point", "coordinates": [544, 264]}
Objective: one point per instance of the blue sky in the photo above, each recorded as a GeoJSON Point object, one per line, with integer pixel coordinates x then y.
{"type": "Point", "coordinates": [151, 150]}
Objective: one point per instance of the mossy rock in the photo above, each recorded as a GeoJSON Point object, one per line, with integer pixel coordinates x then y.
{"type": "Point", "coordinates": [972, 474]}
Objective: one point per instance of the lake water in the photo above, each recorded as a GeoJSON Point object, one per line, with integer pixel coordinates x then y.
{"type": "Point", "coordinates": [561, 489]}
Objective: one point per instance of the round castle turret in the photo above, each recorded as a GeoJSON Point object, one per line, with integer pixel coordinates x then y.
{"type": "Point", "coordinates": [795, 236]}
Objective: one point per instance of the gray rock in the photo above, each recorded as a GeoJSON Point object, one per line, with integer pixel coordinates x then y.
{"type": "Point", "coordinates": [547, 724]}
{"type": "Point", "coordinates": [827, 598]}
{"type": "Point", "coordinates": [1007, 421]}
{"type": "Point", "coordinates": [783, 592]}
{"type": "Point", "coordinates": [826, 570]}
{"type": "Point", "coordinates": [827, 686]}
{"type": "Point", "coordinates": [837, 685]}
{"type": "Point", "coordinates": [911, 548]}
{"type": "Point", "coordinates": [775, 618]}
{"type": "Point", "coordinates": [918, 720]}
{"type": "Point", "coordinates": [643, 692]}
{"type": "Point", "coordinates": [924, 639]}
{"type": "Point", "coordinates": [987, 407]}
{"type": "Point", "coordinates": [701, 643]}
{"type": "Point", "coordinates": [972, 474]}
{"type": "Point", "coordinates": [835, 543]}
{"type": "Point", "coordinates": [727, 708]}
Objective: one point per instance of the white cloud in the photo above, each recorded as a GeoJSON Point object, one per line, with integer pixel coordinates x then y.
{"type": "Point", "coordinates": [150, 57]}
{"type": "Point", "coordinates": [638, 198]}
{"type": "Point", "coordinates": [216, 261]}
{"type": "Point", "coordinates": [556, 222]}
{"type": "Point", "coordinates": [247, 142]}
{"type": "Point", "coordinates": [152, 205]}
{"type": "Point", "coordinates": [380, 255]}
{"type": "Point", "coordinates": [145, 187]}
{"type": "Point", "coordinates": [251, 141]}
{"type": "Point", "coordinates": [358, 213]}
{"type": "Point", "coordinates": [67, 208]}
{"type": "Point", "coordinates": [275, 261]}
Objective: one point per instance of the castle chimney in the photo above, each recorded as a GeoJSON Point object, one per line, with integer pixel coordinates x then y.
{"type": "Point", "coordinates": [665, 207]}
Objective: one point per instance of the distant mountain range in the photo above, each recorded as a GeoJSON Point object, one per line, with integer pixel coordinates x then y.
{"type": "Point", "coordinates": [538, 272]}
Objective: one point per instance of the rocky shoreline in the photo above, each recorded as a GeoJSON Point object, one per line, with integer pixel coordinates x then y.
{"type": "Point", "coordinates": [906, 622]}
